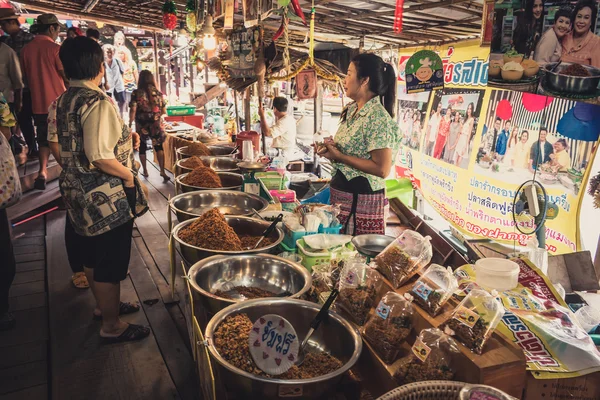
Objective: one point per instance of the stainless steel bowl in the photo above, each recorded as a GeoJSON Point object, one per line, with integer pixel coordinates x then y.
{"type": "Point", "coordinates": [229, 180]}
{"type": "Point", "coordinates": [264, 271]}
{"type": "Point", "coordinates": [371, 245]}
{"type": "Point", "coordinates": [571, 84]}
{"type": "Point", "coordinates": [335, 336]}
{"type": "Point", "coordinates": [241, 226]}
{"type": "Point", "coordinates": [229, 202]}
{"type": "Point", "coordinates": [227, 151]}
{"type": "Point", "coordinates": [218, 164]}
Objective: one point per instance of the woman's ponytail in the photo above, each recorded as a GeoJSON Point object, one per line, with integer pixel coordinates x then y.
{"type": "Point", "coordinates": [389, 96]}
{"type": "Point", "coordinates": [382, 78]}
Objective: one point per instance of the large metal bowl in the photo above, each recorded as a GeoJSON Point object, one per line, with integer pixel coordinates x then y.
{"type": "Point", "coordinates": [218, 164]}
{"type": "Point", "coordinates": [335, 335]}
{"type": "Point", "coordinates": [229, 180]}
{"type": "Point", "coordinates": [264, 271]}
{"type": "Point", "coordinates": [216, 151]}
{"type": "Point", "coordinates": [229, 202]}
{"type": "Point", "coordinates": [241, 226]}
{"type": "Point", "coordinates": [554, 81]}
{"type": "Point", "coordinates": [371, 245]}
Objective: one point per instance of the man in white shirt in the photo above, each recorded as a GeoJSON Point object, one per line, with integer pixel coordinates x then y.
{"type": "Point", "coordinates": [284, 130]}
{"type": "Point", "coordinates": [114, 76]}
{"type": "Point", "coordinates": [432, 129]}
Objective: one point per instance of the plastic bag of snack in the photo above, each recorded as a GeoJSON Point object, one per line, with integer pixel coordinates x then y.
{"type": "Point", "coordinates": [434, 288]}
{"type": "Point", "coordinates": [389, 326]}
{"type": "Point", "coordinates": [431, 358]}
{"type": "Point", "coordinates": [321, 283]}
{"type": "Point", "coordinates": [475, 319]}
{"type": "Point", "coordinates": [402, 258]}
{"type": "Point", "coordinates": [358, 288]}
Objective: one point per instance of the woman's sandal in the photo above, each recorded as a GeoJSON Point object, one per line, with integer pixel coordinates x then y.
{"type": "Point", "coordinates": [124, 309]}
{"type": "Point", "coordinates": [80, 280]}
{"type": "Point", "coordinates": [166, 177]}
{"type": "Point", "coordinates": [131, 334]}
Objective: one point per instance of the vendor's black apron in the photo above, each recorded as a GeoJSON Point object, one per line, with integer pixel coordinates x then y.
{"type": "Point", "coordinates": [362, 209]}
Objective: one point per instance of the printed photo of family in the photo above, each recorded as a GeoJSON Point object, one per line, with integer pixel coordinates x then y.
{"type": "Point", "coordinates": [514, 146]}
{"type": "Point", "coordinates": [412, 110]}
{"type": "Point", "coordinates": [451, 126]}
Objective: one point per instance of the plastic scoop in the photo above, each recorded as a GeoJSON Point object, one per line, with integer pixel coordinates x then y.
{"type": "Point", "coordinates": [269, 230]}
{"type": "Point", "coordinates": [323, 312]}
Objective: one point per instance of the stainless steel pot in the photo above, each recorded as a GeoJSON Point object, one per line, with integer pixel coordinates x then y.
{"type": "Point", "coordinates": [218, 164]}
{"type": "Point", "coordinates": [264, 271]}
{"type": "Point", "coordinates": [241, 226]}
{"type": "Point", "coordinates": [335, 336]}
{"type": "Point", "coordinates": [571, 84]}
{"type": "Point", "coordinates": [229, 180]}
{"type": "Point", "coordinates": [229, 202]}
{"type": "Point", "coordinates": [216, 151]}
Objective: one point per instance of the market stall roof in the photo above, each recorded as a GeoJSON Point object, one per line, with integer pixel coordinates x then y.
{"type": "Point", "coordinates": [345, 21]}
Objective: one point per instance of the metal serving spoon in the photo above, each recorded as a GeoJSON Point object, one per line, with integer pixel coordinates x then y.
{"type": "Point", "coordinates": [323, 312]}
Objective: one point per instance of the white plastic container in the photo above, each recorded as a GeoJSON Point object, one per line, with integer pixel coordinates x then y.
{"type": "Point", "coordinates": [497, 273]}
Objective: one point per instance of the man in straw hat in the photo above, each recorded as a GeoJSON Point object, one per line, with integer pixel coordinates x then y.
{"type": "Point", "coordinates": [17, 39]}
{"type": "Point", "coordinates": [45, 76]}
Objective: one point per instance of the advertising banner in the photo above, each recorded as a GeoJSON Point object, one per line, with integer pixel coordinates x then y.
{"type": "Point", "coordinates": [468, 149]}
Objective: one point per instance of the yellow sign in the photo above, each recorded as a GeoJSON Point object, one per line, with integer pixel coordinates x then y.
{"type": "Point", "coordinates": [468, 149]}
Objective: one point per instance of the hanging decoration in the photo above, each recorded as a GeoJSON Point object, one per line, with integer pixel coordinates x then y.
{"type": "Point", "coordinates": [398, 16]}
{"type": "Point", "coordinates": [190, 18]}
{"type": "Point", "coordinates": [169, 15]}
{"type": "Point", "coordinates": [298, 11]}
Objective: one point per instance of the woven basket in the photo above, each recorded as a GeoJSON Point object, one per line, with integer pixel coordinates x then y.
{"type": "Point", "coordinates": [428, 390]}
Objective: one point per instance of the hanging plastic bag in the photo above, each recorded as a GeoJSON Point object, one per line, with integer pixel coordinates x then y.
{"type": "Point", "coordinates": [434, 288]}
{"type": "Point", "coordinates": [358, 288]}
{"type": "Point", "coordinates": [404, 257]}
{"type": "Point", "coordinates": [475, 319]}
{"type": "Point", "coordinates": [431, 358]}
{"type": "Point", "coordinates": [389, 326]}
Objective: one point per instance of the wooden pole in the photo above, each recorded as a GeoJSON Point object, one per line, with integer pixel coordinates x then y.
{"type": "Point", "coordinates": [318, 112]}
{"type": "Point", "coordinates": [155, 49]}
{"type": "Point", "coordinates": [237, 113]}
{"type": "Point", "coordinates": [247, 112]}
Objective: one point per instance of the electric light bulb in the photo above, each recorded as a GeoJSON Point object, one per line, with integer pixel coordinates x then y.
{"type": "Point", "coordinates": [209, 42]}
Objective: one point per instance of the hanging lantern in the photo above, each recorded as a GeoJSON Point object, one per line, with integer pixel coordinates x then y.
{"type": "Point", "coordinates": [398, 16]}
{"type": "Point", "coordinates": [190, 19]}
{"type": "Point", "coordinates": [209, 41]}
{"type": "Point", "coordinates": [169, 15]}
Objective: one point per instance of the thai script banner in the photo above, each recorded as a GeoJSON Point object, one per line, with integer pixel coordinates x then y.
{"type": "Point", "coordinates": [468, 148]}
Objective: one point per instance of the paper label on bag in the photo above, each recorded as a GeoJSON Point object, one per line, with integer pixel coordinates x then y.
{"type": "Point", "coordinates": [351, 278]}
{"type": "Point", "coordinates": [383, 310]}
{"type": "Point", "coordinates": [274, 344]}
{"type": "Point", "coordinates": [421, 350]}
{"type": "Point", "coordinates": [422, 290]}
{"type": "Point", "coordinates": [466, 316]}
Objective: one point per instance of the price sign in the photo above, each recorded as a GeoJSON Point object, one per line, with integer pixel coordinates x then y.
{"type": "Point", "coordinates": [274, 344]}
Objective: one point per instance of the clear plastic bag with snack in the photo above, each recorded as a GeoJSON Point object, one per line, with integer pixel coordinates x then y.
{"type": "Point", "coordinates": [475, 319]}
{"type": "Point", "coordinates": [404, 257]}
{"type": "Point", "coordinates": [389, 326]}
{"type": "Point", "coordinates": [359, 286]}
{"type": "Point", "coordinates": [434, 288]}
{"type": "Point", "coordinates": [432, 358]}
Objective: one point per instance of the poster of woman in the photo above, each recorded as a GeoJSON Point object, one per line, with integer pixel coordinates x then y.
{"type": "Point", "coordinates": [412, 110]}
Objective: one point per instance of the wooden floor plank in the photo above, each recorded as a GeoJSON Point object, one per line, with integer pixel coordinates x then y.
{"type": "Point", "coordinates": [29, 276]}
{"type": "Point", "coordinates": [29, 249]}
{"type": "Point", "coordinates": [20, 258]}
{"type": "Point", "coordinates": [23, 354]}
{"type": "Point", "coordinates": [83, 367]}
{"type": "Point", "coordinates": [29, 241]}
{"type": "Point", "coordinates": [35, 227]}
{"type": "Point", "coordinates": [31, 266]}
{"type": "Point", "coordinates": [39, 392]}
{"type": "Point", "coordinates": [28, 302]}
{"type": "Point", "coordinates": [23, 376]}
{"type": "Point", "coordinates": [159, 280]}
{"type": "Point", "coordinates": [32, 326]}
{"type": "Point", "coordinates": [25, 289]}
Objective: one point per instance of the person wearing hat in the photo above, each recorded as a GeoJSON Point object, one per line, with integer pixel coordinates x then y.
{"type": "Point", "coordinates": [45, 76]}
{"type": "Point", "coordinates": [17, 39]}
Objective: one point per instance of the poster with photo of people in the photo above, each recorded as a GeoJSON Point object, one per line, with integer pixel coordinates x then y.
{"type": "Point", "coordinates": [555, 140]}
{"type": "Point", "coordinates": [451, 126]}
{"type": "Point", "coordinates": [411, 116]}
{"type": "Point", "coordinates": [530, 36]}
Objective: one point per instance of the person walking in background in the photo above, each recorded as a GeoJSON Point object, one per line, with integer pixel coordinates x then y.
{"type": "Point", "coordinates": [540, 151]}
{"type": "Point", "coordinates": [502, 142]}
{"type": "Point", "coordinates": [452, 138]}
{"type": "Point", "coordinates": [146, 108]}
{"type": "Point", "coordinates": [443, 132]}
{"type": "Point", "coordinates": [17, 39]}
{"type": "Point", "coordinates": [432, 129]}
{"type": "Point", "coordinates": [95, 148]}
{"type": "Point", "coordinates": [11, 79]}
{"type": "Point", "coordinates": [7, 257]}
{"type": "Point", "coordinates": [93, 34]}
{"type": "Point", "coordinates": [114, 76]}
{"type": "Point", "coordinates": [44, 73]}
{"type": "Point", "coordinates": [130, 72]}
{"type": "Point", "coordinates": [73, 32]}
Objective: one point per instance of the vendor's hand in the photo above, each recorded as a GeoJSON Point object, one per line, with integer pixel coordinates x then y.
{"type": "Point", "coordinates": [332, 152]}
{"type": "Point", "coordinates": [129, 183]}
{"type": "Point", "coordinates": [135, 139]}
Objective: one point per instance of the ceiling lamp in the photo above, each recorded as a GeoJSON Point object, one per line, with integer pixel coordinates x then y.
{"type": "Point", "coordinates": [209, 40]}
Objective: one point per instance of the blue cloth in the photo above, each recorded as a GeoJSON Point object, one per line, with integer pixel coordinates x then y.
{"type": "Point", "coordinates": [501, 143]}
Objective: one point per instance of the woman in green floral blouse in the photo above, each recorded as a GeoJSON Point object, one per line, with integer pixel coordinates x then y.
{"type": "Point", "coordinates": [364, 145]}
